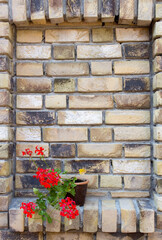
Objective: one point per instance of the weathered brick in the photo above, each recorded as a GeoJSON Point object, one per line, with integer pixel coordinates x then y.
{"type": "Point", "coordinates": [5, 99]}
{"type": "Point", "coordinates": [132, 67]}
{"type": "Point", "coordinates": [158, 133]}
{"type": "Point", "coordinates": [33, 85]}
{"type": "Point", "coordinates": [137, 84]}
{"type": "Point", "coordinates": [131, 166]}
{"type": "Point", "coordinates": [29, 36]}
{"type": "Point", "coordinates": [5, 151]}
{"type": "Point", "coordinates": [158, 167]}
{"type": "Point", "coordinates": [90, 217]}
{"type": "Point", "coordinates": [157, 64]}
{"type": "Point", "coordinates": [6, 134]}
{"type": "Point", "coordinates": [6, 47]}
{"type": "Point", "coordinates": [33, 52]}
{"type": "Point", "coordinates": [67, 35]}
{"type": "Point", "coordinates": [158, 151]}
{"type": "Point", "coordinates": [29, 101]}
{"type": "Point", "coordinates": [4, 11]}
{"type": "Point", "coordinates": [157, 47]}
{"type": "Point", "coordinates": [99, 150]}
{"type": "Point", "coordinates": [99, 51]}
{"type": "Point", "coordinates": [65, 134]}
{"type": "Point", "coordinates": [5, 168]}
{"type": "Point", "coordinates": [60, 236]}
{"type": "Point", "coordinates": [16, 219]}
{"type": "Point", "coordinates": [55, 226]}
{"type": "Point", "coordinates": [101, 134]}
{"type": "Point", "coordinates": [119, 236]}
{"type": "Point", "coordinates": [159, 221]}
{"type": "Point", "coordinates": [35, 118]}
{"type": "Point", "coordinates": [4, 202]}
{"type": "Point", "coordinates": [130, 194]}
{"type": "Point", "coordinates": [22, 146]}
{"type": "Point", "coordinates": [109, 216]}
{"type": "Point", "coordinates": [132, 34]}
{"type": "Point", "coordinates": [110, 181]}
{"type": "Point", "coordinates": [19, 11]}
{"type": "Point", "coordinates": [56, 11]}
{"type": "Point", "coordinates": [16, 235]}
{"type": "Point", "coordinates": [67, 69]}
{"type": "Point", "coordinates": [101, 68]}
{"type": "Point", "coordinates": [73, 225]}
{"type": "Point", "coordinates": [158, 116]}
{"type": "Point", "coordinates": [157, 30]}
{"type": "Point", "coordinates": [159, 185]}
{"type": "Point", "coordinates": [139, 50]}
{"type": "Point", "coordinates": [35, 223]}
{"type": "Point", "coordinates": [90, 10]}
{"type": "Point", "coordinates": [158, 11]}
{"type": "Point", "coordinates": [102, 34]}
{"type": "Point", "coordinates": [3, 220]}
{"type": "Point", "coordinates": [62, 150]}
{"type": "Point", "coordinates": [28, 134]}
{"type": "Point", "coordinates": [73, 11]}
{"type": "Point", "coordinates": [38, 12]}
{"type": "Point", "coordinates": [29, 69]}
{"type": "Point", "coordinates": [126, 12]}
{"type": "Point", "coordinates": [107, 11]}
{"type": "Point", "coordinates": [132, 101]}
{"type": "Point", "coordinates": [6, 184]}
{"type": "Point", "coordinates": [132, 133]}
{"type": "Point", "coordinates": [147, 216]}
{"type": "Point", "coordinates": [5, 64]}
{"type": "Point", "coordinates": [100, 84]}
{"type": "Point", "coordinates": [137, 150]}
{"type": "Point", "coordinates": [5, 81]}
{"type": "Point", "coordinates": [55, 101]}
{"type": "Point", "coordinates": [6, 116]}
{"type": "Point", "coordinates": [64, 52]}
{"type": "Point", "coordinates": [5, 30]}
{"type": "Point", "coordinates": [90, 102]}
{"type": "Point", "coordinates": [26, 181]}
{"type": "Point", "coordinates": [157, 83]}
{"type": "Point", "coordinates": [79, 117]}
{"type": "Point", "coordinates": [158, 202]}
{"type": "Point", "coordinates": [127, 117]}
{"type": "Point", "coordinates": [137, 182]}
{"type": "Point", "coordinates": [157, 100]}
{"type": "Point", "coordinates": [64, 85]}
{"type": "Point", "coordinates": [155, 236]}
{"type": "Point", "coordinates": [145, 12]}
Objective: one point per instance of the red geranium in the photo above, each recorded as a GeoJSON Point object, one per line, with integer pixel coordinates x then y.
{"type": "Point", "coordinates": [39, 151]}
{"type": "Point", "coordinates": [28, 208]}
{"type": "Point", "coordinates": [69, 209]}
{"type": "Point", "coordinates": [27, 152]}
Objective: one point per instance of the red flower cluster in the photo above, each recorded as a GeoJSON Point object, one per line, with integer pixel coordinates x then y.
{"type": "Point", "coordinates": [47, 177]}
{"type": "Point", "coordinates": [69, 209]}
{"type": "Point", "coordinates": [39, 151]}
{"type": "Point", "coordinates": [27, 152]}
{"type": "Point", "coordinates": [28, 208]}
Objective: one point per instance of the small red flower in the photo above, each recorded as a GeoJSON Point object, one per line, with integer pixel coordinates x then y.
{"type": "Point", "coordinates": [69, 209]}
{"type": "Point", "coordinates": [27, 152]}
{"type": "Point", "coordinates": [39, 151]}
{"type": "Point", "coordinates": [28, 208]}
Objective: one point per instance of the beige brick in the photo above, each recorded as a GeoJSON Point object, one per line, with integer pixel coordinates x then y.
{"type": "Point", "coordinates": [128, 216]}
{"type": "Point", "coordinates": [22, 146]}
{"type": "Point", "coordinates": [147, 217]}
{"type": "Point", "coordinates": [137, 150]}
{"type": "Point", "coordinates": [126, 12]}
{"type": "Point", "coordinates": [102, 34]}
{"type": "Point", "coordinates": [157, 116]}
{"type": "Point", "coordinates": [3, 220]}
{"type": "Point", "coordinates": [157, 47]}
{"type": "Point", "coordinates": [157, 64]}
{"type": "Point", "coordinates": [6, 184]}
{"type": "Point", "coordinates": [158, 133]}
{"type": "Point", "coordinates": [64, 85]}
{"type": "Point", "coordinates": [158, 11]}
{"type": "Point", "coordinates": [19, 11]}
{"type": "Point", "coordinates": [29, 69]}
{"type": "Point", "coordinates": [159, 185]}
{"type": "Point", "coordinates": [34, 85]}
{"type": "Point", "coordinates": [131, 166]}
{"type": "Point", "coordinates": [127, 117]}
{"type": "Point", "coordinates": [16, 219]}
{"type": "Point", "coordinates": [157, 30]}
{"type": "Point", "coordinates": [38, 13]}
{"type": "Point", "coordinates": [145, 12]}
{"type": "Point", "coordinates": [132, 67]}
{"type": "Point", "coordinates": [35, 223]}
{"type": "Point", "coordinates": [5, 99]}
{"type": "Point", "coordinates": [157, 83]}
{"type": "Point", "coordinates": [64, 52]}
{"type": "Point", "coordinates": [90, 217]}
{"type": "Point", "coordinates": [5, 116]}
{"type": "Point", "coordinates": [67, 35]}
{"type": "Point", "coordinates": [101, 134]}
{"type": "Point", "coordinates": [132, 101]}
{"type": "Point", "coordinates": [99, 51]}
{"type": "Point", "coordinates": [109, 216]}
{"type": "Point", "coordinates": [132, 34]}
{"type": "Point", "coordinates": [158, 151]}
{"type": "Point", "coordinates": [65, 134]}
{"type": "Point", "coordinates": [137, 182]}
{"type": "Point", "coordinates": [55, 226]}
{"type": "Point", "coordinates": [29, 101]}
{"type": "Point", "coordinates": [130, 194]}
{"type": "Point", "coordinates": [4, 202]}
{"type": "Point", "coordinates": [100, 84]}
{"type": "Point", "coordinates": [28, 134]}
{"type": "Point", "coordinates": [5, 47]}
{"type": "Point", "coordinates": [91, 101]}
{"type": "Point", "coordinates": [73, 225]}
{"type": "Point", "coordinates": [3, 11]}
{"type": "Point", "coordinates": [157, 99]}
{"type": "Point", "coordinates": [99, 150]}
{"type": "Point", "coordinates": [90, 10]}
{"type": "Point", "coordinates": [110, 181]}
{"type": "Point", "coordinates": [5, 151]}
{"type": "Point", "coordinates": [67, 69]}
{"type": "Point", "coordinates": [5, 81]}
{"type": "Point", "coordinates": [158, 167]}
{"type": "Point", "coordinates": [29, 36]}
{"type": "Point", "coordinates": [159, 221]}
{"type": "Point", "coordinates": [55, 101]}
{"type": "Point", "coordinates": [5, 168]}
{"type": "Point", "coordinates": [79, 117]}
{"type": "Point", "coordinates": [66, 235]}
{"type": "Point", "coordinates": [158, 202]}
{"type": "Point", "coordinates": [33, 52]}
{"type": "Point", "coordinates": [132, 133]}
{"type": "Point", "coordinates": [5, 30]}
{"type": "Point", "coordinates": [56, 11]}
{"type": "Point", "coordinates": [101, 68]}
{"type": "Point", "coordinates": [6, 134]}
{"type": "Point", "coordinates": [155, 236]}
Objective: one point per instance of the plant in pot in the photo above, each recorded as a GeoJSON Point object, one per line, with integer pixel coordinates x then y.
{"type": "Point", "coordinates": [61, 193]}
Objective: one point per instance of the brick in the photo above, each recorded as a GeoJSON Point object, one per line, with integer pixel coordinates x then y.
{"type": "Point", "coordinates": [5, 64]}
{"type": "Point", "coordinates": [79, 117]}
{"type": "Point", "coordinates": [4, 202]}
{"type": "Point", "coordinates": [155, 236]}
{"type": "Point", "coordinates": [4, 12]}
{"type": "Point", "coordinates": [38, 12]}
{"type": "Point", "coordinates": [67, 35]}
{"type": "Point", "coordinates": [19, 11]}
{"type": "Point", "coordinates": [109, 216]}
{"type": "Point", "coordinates": [73, 11]}
{"type": "Point", "coordinates": [90, 102]}
{"type": "Point", "coordinates": [6, 116]}
{"type": "Point", "coordinates": [64, 85]}
{"type": "Point", "coordinates": [137, 84]}
{"type": "Point", "coordinates": [6, 184]}
{"type": "Point", "coordinates": [110, 181]}
{"type": "Point", "coordinates": [158, 151]}
{"type": "Point", "coordinates": [65, 134]}
{"type": "Point", "coordinates": [158, 11]}
{"type": "Point", "coordinates": [157, 83]}
{"type": "Point", "coordinates": [64, 52]}
{"type": "Point", "coordinates": [24, 236]}
{"type": "Point", "coordinates": [132, 133]}
{"type": "Point", "coordinates": [119, 236]}
{"type": "Point", "coordinates": [107, 11]}
{"type": "Point", "coordinates": [159, 221]}
{"type": "Point", "coordinates": [29, 69]}
{"type": "Point", "coordinates": [159, 185]}
{"type": "Point", "coordinates": [55, 226]}
{"type": "Point", "coordinates": [157, 30]}
{"type": "Point", "coordinates": [22, 146]}
{"type": "Point", "coordinates": [126, 12]}
{"type": "Point", "coordinates": [23, 181]}
{"type": "Point", "coordinates": [5, 81]}
{"type": "Point", "coordinates": [90, 10]}
{"type": "Point", "coordinates": [137, 182]}
{"type": "Point", "coordinates": [29, 36]}
{"type": "Point", "coordinates": [34, 85]}
{"type": "Point", "coordinates": [5, 151]}
{"type": "Point", "coordinates": [137, 150]}
{"type": "Point", "coordinates": [158, 116]}
{"type": "Point", "coordinates": [101, 68]}
{"type": "Point", "coordinates": [157, 99]}
{"type": "Point", "coordinates": [157, 64]}
{"type": "Point", "coordinates": [158, 202]}
{"type": "Point", "coordinates": [35, 223]}
{"type": "Point", "coordinates": [28, 134]}
{"type": "Point", "coordinates": [90, 217]}
{"type": "Point", "coordinates": [132, 101]}
{"type": "Point", "coordinates": [102, 34]}
{"type": "Point", "coordinates": [5, 99]}
{"type": "Point", "coordinates": [56, 11]}
{"type": "Point", "coordinates": [158, 133]}
{"type": "Point", "coordinates": [35, 118]}
{"type": "Point", "coordinates": [101, 134]}
{"type": "Point", "coordinates": [6, 134]}
{"type": "Point", "coordinates": [99, 150]}
{"type": "Point", "coordinates": [130, 194]}
{"type": "Point", "coordinates": [29, 101]}
{"type": "Point", "coordinates": [67, 69]}
{"type": "Point", "coordinates": [132, 34]}
{"type": "Point", "coordinates": [60, 236]}
{"type": "Point", "coordinates": [3, 220]}
{"type": "Point", "coordinates": [138, 50]}
{"type": "Point", "coordinates": [5, 168]}
{"type": "Point", "coordinates": [112, 84]}
{"type": "Point", "coordinates": [6, 47]}
{"type": "Point", "coordinates": [5, 30]}
{"type": "Point", "coordinates": [55, 101]}
{"type": "Point", "coordinates": [158, 167]}
{"type": "Point", "coordinates": [128, 216]}
{"type": "Point", "coordinates": [73, 225]}
{"type": "Point", "coordinates": [91, 166]}
{"type": "Point", "coordinates": [145, 12]}
{"type": "Point", "coordinates": [127, 117]}
{"type": "Point", "coordinates": [99, 51]}
{"type": "Point", "coordinates": [157, 47]}
{"type": "Point", "coordinates": [62, 150]}
{"type": "Point", "coordinates": [131, 67]}
{"type": "Point", "coordinates": [131, 166]}
{"type": "Point", "coordinates": [16, 219]}
{"type": "Point", "coordinates": [33, 52]}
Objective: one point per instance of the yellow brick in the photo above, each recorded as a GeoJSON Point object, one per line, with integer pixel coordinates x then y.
{"type": "Point", "coordinates": [110, 181]}
{"type": "Point", "coordinates": [126, 14]}
{"type": "Point", "coordinates": [132, 133]}
{"type": "Point", "coordinates": [19, 11]}
{"type": "Point", "coordinates": [29, 36]}
{"type": "Point", "coordinates": [101, 68]}
{"type": "Point", "coordinates": [28, 134]}
{"type": "Point", "coordinates": [157, 83]}
{"type": "Point", "coordinates": [101, 134]}
{"type": "Point", "coordinates": [131, 67]}
{"type": "Point", "coordinates": [33, 52]}
{"type": "Point", "coordinates": [29, 101]}
{"type": "Point", "coordinates": [102, 34]}
{"type": "Point", "coordinates": [55, 101]}
{"type": "Point", "coordinates": [29, 69]}
{"type": "Point", "coordinates": [5, 47]}
{"type": "Point", "coordinates": [145, 12]}
{"type": "Point", "coordinates": [132, 34]}
{"type": "Point", "coordinates": [137, 182]}
{"type": "Point", "coordinates": [158, 167]}
{"type": "Point", "coordinates": [3, 11]}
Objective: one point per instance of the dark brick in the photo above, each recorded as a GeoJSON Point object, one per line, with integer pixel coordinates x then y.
{"type": "Point", "coordinates": [27, 193]}
{"type": "Point", "coordinates": [37, 5]}
{"type": "Point", "coordinates": [26, 181]}
{"type": "Point", "coordinates": [73, 10]}
{"type": "Point", "coordinates": [108, 7]}
{"type": "Point", "coordinates": [35, 118]}
{"type": "Point", "coordinates": [139, 50]}
{"type": "Point", "coordinates": [136, 84]}
{"type": "Point", "coordinates": [4, 64]}
{"type": "Point", "coordinates": [64, 85]}
{"type": "Point", "coordinates": [63, 150]}
{"type": "Point", "coordinates": [64, 52]}
{"type": "Point", "coordinates": [8, 235]}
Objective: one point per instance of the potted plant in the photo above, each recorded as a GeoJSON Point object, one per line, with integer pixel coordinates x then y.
{"type": "Point", "coordinates": [61, 193]}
